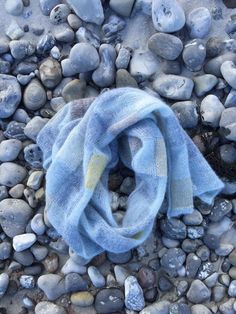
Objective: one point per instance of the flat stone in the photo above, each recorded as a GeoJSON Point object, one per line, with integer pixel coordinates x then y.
{"type": "Point", "coordinates": [10, 149]}
{"type": "Point", "coordinates": [199, 22]}
{"type": "Point", "coordinates": [46, 307]}
{"type": "Point", "coordinates": [83, 298]}
{"type": "Point", "coordinates": [211, 109]}
{"type": "Point", "coordinates": [109, 300]}
{"type": "Point", "coordinates": [228, 70]}
{"type": "Point", "coordinates": [198, 292]}
{"type": "Point", "coordinates": [204, 83]}
{"type": "Point", "coordinates": [122, 7]}
{"type": "Point", "coordinates": [22, 242]}
{"type": "Point", "coordinates": [134, 299]}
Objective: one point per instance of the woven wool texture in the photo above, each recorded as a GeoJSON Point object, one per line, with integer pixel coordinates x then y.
{"type": "Point", "coordinates": [87, 138]}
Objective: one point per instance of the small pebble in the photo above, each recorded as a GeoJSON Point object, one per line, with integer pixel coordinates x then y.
{"type": "Point", "coordinates": [194, 55]}
{"type": "Point", "coordinates": [4, 281]}
{"type": "Point", "coordinates": [14, 7]}
{"type": "Point", "coordinates": [27, 281]}
{"type": "Point", "coordinates": [46, 307]}
{"type": "Point", "coordinates": [83, 298]}
{"type": "Point", "coordinates": [198, 293]}
{"type": "Point", "coordinates": [186, 113]}
{"type": "Point", "coordinates": [229, 73]}
{"type": "Point", "coordinates": [199, 22]}
{"type": "Point", "coordinates": [96, 277]}
{"type": "Point", "coordinates": [34, 96]}
{"type": "Point", "coordinates": [134, 299]}
{"type": "Point", "coordinates": [109, 301]}
{"type": "Point", "coordinates": [59, 13]}
{"type": "Point", "coordinates": [22, 242]}
{"type": "Point", "coordinates": [211, 109]}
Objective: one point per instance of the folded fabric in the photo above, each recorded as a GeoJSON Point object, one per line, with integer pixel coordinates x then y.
{"type": "Point", "coordinates": [87, 138]}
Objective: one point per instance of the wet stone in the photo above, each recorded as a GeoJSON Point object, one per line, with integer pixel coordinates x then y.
{"type": "Point", "coordinates": [109, 300]}
{"type": "Point", "coordinates": [174, 228]}
{"type": "Point", "coordinates": [33, 155]}
{"type": "Point", "coordinates": [221, 208]}
{"type": "Point", "coordinates": [194, 55]}
{"type": "Point", "coordinates": [199, 22]}
{"type": "Point", "coordinates": [173, 259]}
{"type": "Point", "coordinates": [198, 292]}
{"type": "Point", "coordinates": [134, 299]}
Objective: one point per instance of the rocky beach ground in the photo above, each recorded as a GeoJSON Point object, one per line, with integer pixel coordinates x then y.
{"type": "Point", "coordinates": [53, 52]}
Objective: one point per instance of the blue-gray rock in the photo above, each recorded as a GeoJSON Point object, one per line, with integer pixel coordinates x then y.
{"type": "Point", "coordinates": [199, 22]}
{"type": "Point", "coordinates": [25, 258]}
{"type": "Point", "coordinates": [34, 96]}
{"type": "Point", "coordinates": [230, 100]}
{"type": "Point", "coordinates": [3, 192]}
{"type": "Point", "coordinates": [123, 58]}
{"type": "Point", "coordinates": [134, 299]}
{"type": "Point", "coordinates": [5, 250]}
{"type": "Point", "coordinates": [5, 67]}
{"type": "Point", "coordinates": [228, 153]}
{"type": "Point", "coordinates": [50, 73]}
{"type": "Point", "coordinates": [14, 31]}
{"type": "Point", "coordinates": [204, 83]}
{"type": "Point", "coordinates": [21, 49]}
{"type": "Point", "coordinates": [46, 307]}
{"type": "Point", "coordinates": [174, 228]}
{"type": "Point", "coordinates": [84, 35]}
{"type": "Point", "coordinates": [193, 219]}
{"type": "Point", "coordinates": [74, 282]}
{"type": "Point", "coordinates": [211, 241]}
{"type": "Point", "coordinates": [88, 60]}
{"type": "Point", "coordinates": [109, 300]}
{"type": "Point", "coordinates": [59, 13]}
{"type": "Point", "coordinates": [113, 28]}
{"type": "Point", "coordinates": [171, 67]}
{"type": "Point", "coordinates": [121, 7]}
{"type": "Point", "coordinates": [198, 292]}
{"type": "Point", "coordinates": [228, 124]}
{"type": "Point", "coordinates": [11, 174]}
{"type": "Point", "coordinates": [4, 45]}
{"type": "Point", "coordinates": [33, 155]}
{"type": "Point", "coordinates": [9, 149]}
{"type": "Point", "coordinates": [21, 115]}
{"type": "Point", "coordinates": [45, 44]}
{"type": "Point", "coordinates": [227, 307]}
{"type": "Point", "coordinates": [15, 130]}
{"type": "Point", "coordinates": [194, 55]}
{"type": "Point", "coordinates": [91, 11]}
{"type": "Point", "coordinates": [186, 113]}
{"type": "Point", "coordinates": [35, 180]}
{"type": "Point", "coordinates": [173, 86]}
{"type": "Point", "coordinates": [124, 79]}
{"type": "Point", "coordinates": [121, 258]}
{"type": "Point", "coordinates": [121, 274]}
{"type": "Point", "coordinates": [64, 33]}
{"type": "Point", "coordinates": [4, 281]}
{"type": "Point", "coordinates": [38, 225]}
{"type": "Point", "coordinates": [228, 70]}
{"type": "Point", "coordinates": [34, 126]}
{"type": "Point", "coordinates": [167, 17]}
{"type": "Point", "coordinates": [96, 277]}
{"type": "Point", "coordinates": [193, 263]}
{"type": "Point", "coordinates": [74, 22]}
{"type": "Point", "coordinates": [213, 65]}
{"type": "Point", "coordinates": [14, 7]}
{"type": "Point", "coordinates": [211, 109]}
{"type": "Point", "coordinates": [52, 285]}
{"type": "Point", "coordinates": [14, 216]}
{"type": "Point", "coordinates": [104, 75]}
{"type": "Point", "coordinates": [39, 252]}
{"type": "Point", "coordinates": [173, 259]}
{"type": "Point", "coordinates": [218, 293]}
{"type": "Point", "coordinates": [221, 208]}
{"type": "Point", "coordinates": [166, 46]}
{"type": "Point", "coordinates": [71, 267]}
{"type": "Point", "coordinates": [195, 232]}
{"type": "Point", "coordinates": [27, 281]}
{"type": "Point", "coordinates": [200, 308]}
{"type": "Point", "coordinates": [47, 5]}
{"type": "Point", "coordinates": [74, 90]}
{"type": "Point", "coordinates": [143, 65]}
{"type": "Point", "coordinates": [22, 242]}
{"type": "Point", "coordinates": [10, 95]}
{"type": "Point", "coordinates": [160, 307]}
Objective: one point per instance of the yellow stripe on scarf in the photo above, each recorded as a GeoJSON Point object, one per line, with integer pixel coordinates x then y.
{"type": "Point", "coordinates": [94, 171]}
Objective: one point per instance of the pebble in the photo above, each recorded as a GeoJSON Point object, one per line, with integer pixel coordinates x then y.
{"type": "Point", "coordinates": [10, 95]}
{"type": "Point", "coordinates": [164, 284]}
{"type": "Point", "coordinates": [167, 17]}
{"type": "Point", "coordinates": [25, 258]}
{"type": "Point", "coordinates": [4, 45]}
{"type": "Point", "coordinates": [14, 7]}
{"type": "Point", "coordinates": [121, 258]}
{"type": "Point", "coordinates": [52, 285]}
{"type": "Point", "coordinates": [230, 100]}
{"type": "Point", "coordinates": [39, 252]}
{"type": "Point", "coordinates": [88, 61]}
{"type": "Point", "coordinates": [22, 242]}
{"type": "Point", "coordinates": [218, 293]}
{"type": "Point", "coordinates": [14, 31]}
{"type": "Point", "coordinates": [211, 241]}
{"type": "Point", "coordinates": [146, 277]}
{"type": "Point", "coordinates": [109, 300]}
{"type": "Point", "coordinates": [193, 263]}
{"type": "Point", "coordinates": [121, 274]}
{"type": "Point", "coordinates": [143, 65]}
{"type": "Point", "coordinates": [5, 250]}
{"type": "Point", "coordinates": [55, 53]}
{"type": "Point", "coordinates": [84, 35]}
{"type": "Point", "coordinates": [173, 86]}
{"type": "Point", "coordinates": [50, 73]}
{"type": "Point", "coordinates": [4, 282]}
{"type": "Point", "coordinates": [213, 66]}
{"type": "Point", "coordinates": [45, 44]}
{"type": "Point", "coordinates": [33, 155]}
{"type": "Point", "coordinates": [38, 225]}
{"type": "Point", "coordinates": [74, 22]}
{"type": "Point", "coordinates": [34, 126]}
{"type": "Point", "coordinates": [34, 96]}
{"type": "Point", "coordinates": [229, 73]}
{"type": "Point", "coordinates": [204, 83]}
{"type": "Point", "coordinates": [174, 228]}
{"type": "Point", "coordinates": [221, 208]}
{"type": "Point", "coordinates": [72, 267]}
{"type": "Point", "coordinates": [21, 49]}
{"type": "Point", "coordinates": [160, 307]}
{"type": "Point", "coordinates": [123, 79]}
{"type": "Point", "coordinates": [232, 289]}
{"type": "Point", "coordinates": [96, 277]}
{"type": "Point", "coordinates": [134, 299]}
{"type": "Point", "coordinates": [121, 7]}
{"type": "Point", "coordinates": [186, 113]}
{"type": "Point", "coordinates": [46, 307]}
{"type": "Point", "coordinates": [73, 90]}
{"type": "Point", "coordinates": [88, 11]}
{"type": "Point", "coordinates": [166, 46]}
{"type": "Point", "coordinates": [51, 262]}
{"type": "Point", "coordinates": [27, 281]}
{"type": "Point", "coordinates": [10, 149]}
{"type": "Point", "coordinates": [199, 22]}
{"type": "Point", "coordinates": [83, 298]}
{"type": "Point", "coordinates": [11, 174]}
{"type": "Point", "coordinates": [198, 292]}
{"type": "Point", "coordinates": [15, 130]}
{"type": "Point", "coordinates": [35, 180]}
{"type": "Point", "coordinates": [112, 29]}
{"type": "Point", "coordinates": [59, 13]}
{"type": "Point", "coordinates": [64, 33]}
{"type": "Point", "coordinates": [47, 5]}
{"type": "Point", "coordinates": [104, 75]}
{"type": "Point", "coordinates": [211, 109]}
{"type": "Point", "coordinates": [173, 259]}
{"type": "Point", "coordinates": [123, 58]}
{"type": "Point", "coordinates": [227, 122]}
{"type": "Point", "coordinates": [194, 55]}
{"type": "Point", "coordinates": [200, 308]}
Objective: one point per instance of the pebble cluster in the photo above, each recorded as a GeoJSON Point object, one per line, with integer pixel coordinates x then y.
{"type": "Point", "coordinates": [189, 264]}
